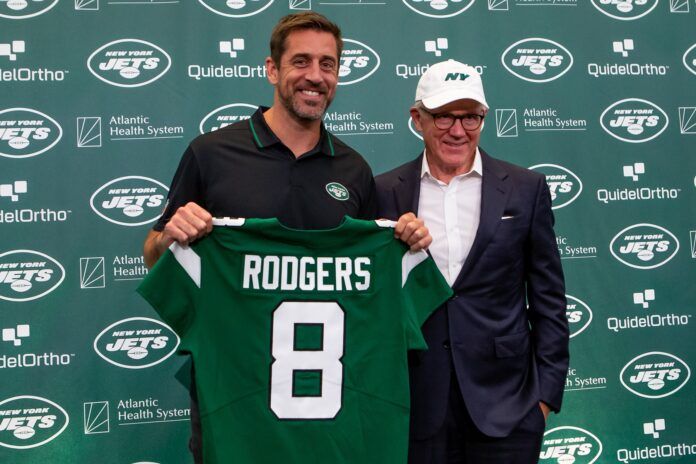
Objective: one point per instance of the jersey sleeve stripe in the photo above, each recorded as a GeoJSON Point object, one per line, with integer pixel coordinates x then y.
{"type": "Point", "coordinates": [409, 261]}
{"type": "Point", "coordinates": [189, 260]}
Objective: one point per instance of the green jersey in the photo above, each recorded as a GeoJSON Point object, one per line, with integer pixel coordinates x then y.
{"type": "Point", "coordinates": [299, 338]}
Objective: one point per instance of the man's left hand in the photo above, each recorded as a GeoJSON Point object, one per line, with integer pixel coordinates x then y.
{"type": "Point", "coordinates": [412, 232]}
{"type": "Point", "coordinates": [545, 409]}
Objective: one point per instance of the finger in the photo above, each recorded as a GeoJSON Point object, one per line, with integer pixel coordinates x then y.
{"type": "Point", "coordinates": [189, 221]}
{"type": "Point", "coordinates": [201, 214]}
{"type": "Point", "coordinates": [401, 224]}
{"type": "Point", "coordinates": [422, 244]}
{"type": "Point", "coordinates": [414, 231]}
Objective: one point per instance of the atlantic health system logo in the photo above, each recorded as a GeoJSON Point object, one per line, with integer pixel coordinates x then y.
{"type": "Point", "coordinates": [129, 63]}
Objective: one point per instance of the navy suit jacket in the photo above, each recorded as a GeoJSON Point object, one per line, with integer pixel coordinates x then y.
{"type": "Point", "coordinates": [504, 333]}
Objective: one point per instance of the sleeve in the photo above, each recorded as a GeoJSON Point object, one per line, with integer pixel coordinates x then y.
{"type": "Point", "coordinates": [423, 290]}
{"type": "Point", "coordinates": [172, 287]}
{"type": "Point", "coordinates": [547, 302]}
{"type": "Point", "coordinates": [368, 205]}
{"type": "Point", "coordinates": [186, 186]}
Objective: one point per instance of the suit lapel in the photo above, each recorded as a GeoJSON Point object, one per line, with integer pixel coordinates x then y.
{"type": "Point", "coordinates": [407, 192]}
{"type": "Point", "coordinates": [494, 195]}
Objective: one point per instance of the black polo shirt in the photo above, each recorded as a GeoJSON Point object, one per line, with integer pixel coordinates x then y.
{"type": "Point", "coordinates": [244, 170]}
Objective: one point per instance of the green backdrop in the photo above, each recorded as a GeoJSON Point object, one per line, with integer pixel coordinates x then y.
{"type": "Point", "coordinates": [99, 98]}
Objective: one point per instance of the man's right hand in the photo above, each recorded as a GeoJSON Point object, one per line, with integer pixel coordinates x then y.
{"type": "Point", "coordinates": [189, 223]}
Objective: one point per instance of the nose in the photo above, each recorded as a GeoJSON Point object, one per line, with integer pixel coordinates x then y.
{"type": "Point", "coordinates": [313, 73]}
{"type": "Point", "coordinates": [457, 129]}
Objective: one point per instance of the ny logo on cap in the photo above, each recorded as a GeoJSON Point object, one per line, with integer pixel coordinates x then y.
{"type": "Point", "coordinates": [456, 76]}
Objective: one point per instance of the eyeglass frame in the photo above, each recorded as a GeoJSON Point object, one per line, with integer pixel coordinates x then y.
{"type": "Point", "coordinates": [461, 118]}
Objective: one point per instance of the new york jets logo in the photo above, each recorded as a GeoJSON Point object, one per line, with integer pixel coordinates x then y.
{"type": "Point", "coordinates": [136, 343]}
{"type": "Point", "coordinates": [21, 9]}
{"type": "Point", "coordinates": [689, 59]}
{"type": "Point", "coordinates": [569, 445]}
{"type": "Point", "coordinates": [130, 200]}
{"type": "Point", "coordinates": [358, 62]}
{"type": "Point", "coordinates": [236, 8]}
{"type": "Point", "coordinates": [655, 375]}
{"type": "Point", "coordinates": [25, 133]}
{"type": "Point", "coordinates": [564, 186]}
{"type": "Point", "coordinates": [634, 120]}
{"type": "Point", "coordinates": [537, 60]}
{"type": "Point", "coordinates": [226, 115]}
{"type": "Point", "coordinates": [30, 421]}
{"type": "Point", "coordinates": [625, 10]}
{"type": "Point", "coordinates": [337, 191]}
{"type": "Point", "coordinates": [579, 315]}
{"type": "Point", "coordinates": [27, 275]}
{"type": "Point", "coordinates": [644, 246]}
{"type": "Point", "coordinates": [129, 63]}
{"type": "Point", "coordinates": [438, 8]}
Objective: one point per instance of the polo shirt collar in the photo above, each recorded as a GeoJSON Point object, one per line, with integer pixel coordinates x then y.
{"type": "Point", "coordinates": [264, 136]}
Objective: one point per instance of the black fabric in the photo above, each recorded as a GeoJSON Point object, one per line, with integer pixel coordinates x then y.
{"type": "Point", "coordinates": [243, 170]}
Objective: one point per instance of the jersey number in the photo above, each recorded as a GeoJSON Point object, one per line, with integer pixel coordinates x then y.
{"type": "Point", "coordinates": [307, 381]}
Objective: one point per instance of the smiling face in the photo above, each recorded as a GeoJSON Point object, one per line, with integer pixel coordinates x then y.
{"type": "Point", "coordinates": [449, 151]}
{"type": "Point", "coordinates": [307, 75]}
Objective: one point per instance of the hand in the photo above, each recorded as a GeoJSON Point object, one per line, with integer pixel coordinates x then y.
{"type": "Point", "coordinates": [189, 223]}
{"type": "Point", "coordinates": [412, 231]}
{"type": "Point", "coordinates": [544, 409]}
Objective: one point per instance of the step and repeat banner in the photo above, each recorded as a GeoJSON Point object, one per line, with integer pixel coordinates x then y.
{"type": "Point", "coordinates": [99, 98]}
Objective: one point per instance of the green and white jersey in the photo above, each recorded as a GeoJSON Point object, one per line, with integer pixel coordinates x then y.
{"type": "Point", "coordinates": [299, 338]}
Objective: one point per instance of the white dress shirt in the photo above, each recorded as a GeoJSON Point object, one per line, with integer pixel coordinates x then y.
{"type": "Point", "coordinates": [451, 212]}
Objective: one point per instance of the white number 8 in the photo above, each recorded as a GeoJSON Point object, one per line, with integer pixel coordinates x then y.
{"type": "Point", "coordinates": [287, 360]}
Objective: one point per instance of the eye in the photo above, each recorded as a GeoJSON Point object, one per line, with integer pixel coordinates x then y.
{"type": "Point", "coordinates": [300, 62]}
{"type": "Point", "coordinates": [328, 65]}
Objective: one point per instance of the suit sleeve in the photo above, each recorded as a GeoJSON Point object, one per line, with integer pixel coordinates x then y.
{"type": "Point", "coordinates": [547, 302]}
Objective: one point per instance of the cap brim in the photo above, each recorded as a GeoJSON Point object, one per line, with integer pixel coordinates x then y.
{"type": "Point", "coordinates": [444, 98]}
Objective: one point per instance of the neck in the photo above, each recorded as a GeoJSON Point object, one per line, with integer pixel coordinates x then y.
{"type": "Point", "coordinates": [297, 134]}
{"type": "Point", "coordinates": [447, 173]}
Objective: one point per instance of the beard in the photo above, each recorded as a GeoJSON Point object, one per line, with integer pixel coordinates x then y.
{"type": "Point", "coordinates": [302, 110]}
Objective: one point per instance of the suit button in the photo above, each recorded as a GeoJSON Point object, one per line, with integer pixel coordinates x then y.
{"type": "Point", "coordinates": [446, 344]}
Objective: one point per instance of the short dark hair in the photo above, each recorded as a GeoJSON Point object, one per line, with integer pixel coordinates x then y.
{"type": "Point", "coordinates": [301, 21]}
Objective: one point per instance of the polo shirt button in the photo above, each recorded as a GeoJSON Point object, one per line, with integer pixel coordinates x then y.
{"type": "Point", "coordinates": [446, 344]}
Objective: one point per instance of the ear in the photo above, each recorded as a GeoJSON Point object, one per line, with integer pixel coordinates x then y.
{"type": "Point", "coordinates": [415, 115]}
{"type": "Point", "coordinates": [271, 71]}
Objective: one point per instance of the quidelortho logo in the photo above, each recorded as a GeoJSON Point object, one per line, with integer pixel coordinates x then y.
{"type": "Point", "coordinates": [537, 60]}
{"type": "Point", "coordinates": [129, 63]}
{"type": "Point", "coordinates": [30, 421]}
{"type": "Point", "coordinates": [579, 315]}
{"type": "Point", "coordinates": [563, 184]}
{"type": "Point", "coordinates": [130, 200]}
{"type": "Point", "coordinates": [25, 132]}
{"type": "Point", "coordinates": [236, 8]}
{"type": "Point", "coordinates": [625, 10]}
{"type": "Point", "coordinates": [634, 120]}
{"type": "Point", "coordinates": [26, 275]}
{"type": "Point", "coordinates": [644, 246]}
{"type": "Point", "coordinates": [20, 9]}
{"type": "Point", "coordinates": [689, 59]}
{"type": "Point", "coordinates": [136, 343]}
{"type": "Point", "coordinates": [438, 8]}
{"type": "Point", "coordinates": [569, 445]}
{"type": "Point", "coordinates": [655, 375]}
{"type": "Point", "coordinates": [226, 115]}
{"type": "Point", "coordinates": [358, 62]}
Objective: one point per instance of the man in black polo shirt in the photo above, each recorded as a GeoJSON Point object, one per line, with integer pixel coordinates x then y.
{"type": "Point", "coordinates": [280, 163]}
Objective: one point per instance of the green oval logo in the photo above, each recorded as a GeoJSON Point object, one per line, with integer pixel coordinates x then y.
{"type": "Point", "coordinates": [337, 191]}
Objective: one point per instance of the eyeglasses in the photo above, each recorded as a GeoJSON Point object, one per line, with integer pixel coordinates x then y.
{"type": "Point", "coordinates": [445, 121]}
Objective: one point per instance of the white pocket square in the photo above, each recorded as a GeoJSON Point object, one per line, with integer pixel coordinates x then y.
{"type": "Point", "coordinates": [507, 217]}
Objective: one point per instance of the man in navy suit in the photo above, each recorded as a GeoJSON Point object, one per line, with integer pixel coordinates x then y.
{"type": "Point", "coordinates": [498, 349]}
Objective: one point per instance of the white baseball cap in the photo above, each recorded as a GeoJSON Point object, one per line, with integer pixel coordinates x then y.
{"type": "Point", "coordinates": [449, 81]}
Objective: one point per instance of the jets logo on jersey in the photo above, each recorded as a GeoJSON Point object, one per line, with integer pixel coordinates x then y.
{"type": "Point", "coordinates": [26, 275]}
{"type": "Point", "coordinates": [20, 9]}
{"type": "Point", "coordinates": [569, 445]}
{"type": "Point", "coordinates": [30, 421]}
{"type": "Point", "coordinates": [625, 10]}
{"type": "Point", "coordinates": [236, 8]}
{"type": "Point", "coordinates": [634, 120]}
{"type": "Point", "coordinates": [226, 115]}
{"type": "Point", "coordinates": [564, 186]}
{"type": "Point", "coordinates": [438, 8]}
{"type": "Point", "coordinates": [25, 132]}
{"type": "Point", "coordinates": [130, 200]}
{"type": "Point", "coordinates": [136, 343]}
{"type": "Point", "coordinates": [579, 315]}
{"type": "Point", "coordinates": [644, 246]}
{"type": "Point", "coordinates": [129, 63]}
{"type": "Point", "coordinates": [337, 191]}
{"type": "Point", "coordinates": [689, 59]}
{"type": "Point", "coordinates": [358, 62]}
{"type": "Point", "coordinates": [655, 375]}
{"type": "Point", "coordinates": [537, 60]}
